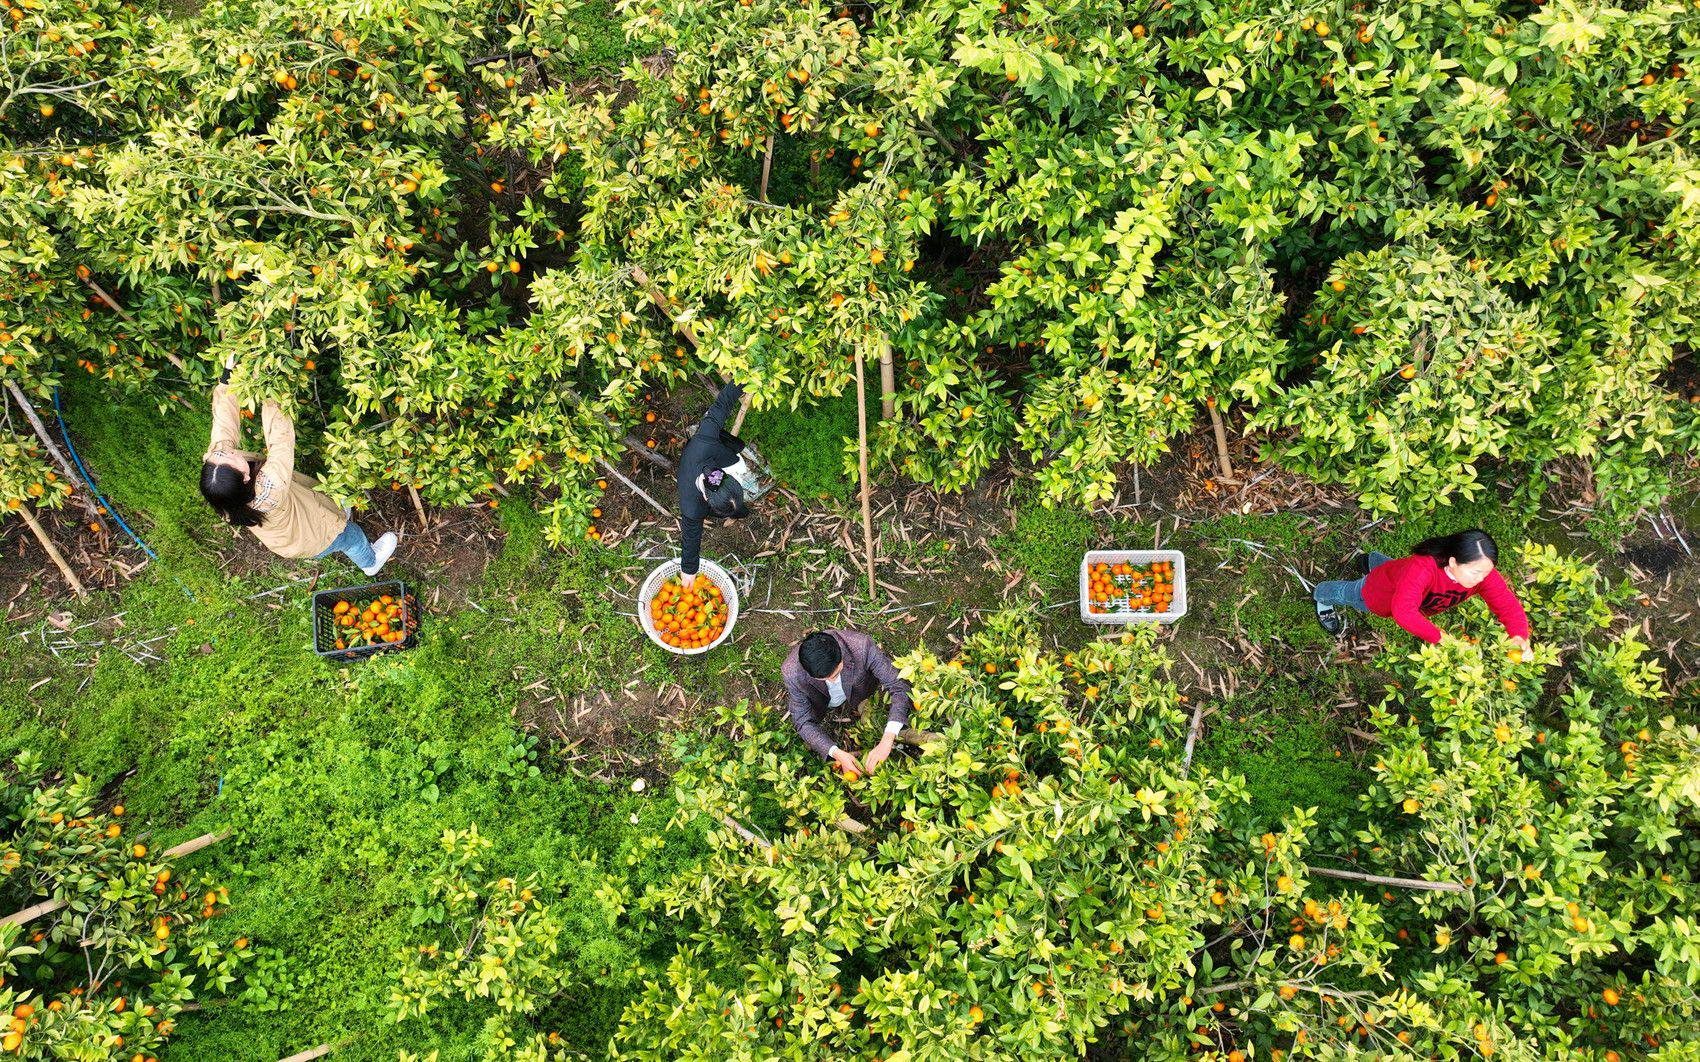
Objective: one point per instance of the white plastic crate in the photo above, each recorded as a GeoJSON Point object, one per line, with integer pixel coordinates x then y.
{"type": "Point", "coordinates": [1132, 556]}
{"type": "Point", "coordinates": [706, 569]}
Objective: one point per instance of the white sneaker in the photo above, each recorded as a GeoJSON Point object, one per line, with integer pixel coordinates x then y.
{"type": "Point", "coordinates": [382, 551]}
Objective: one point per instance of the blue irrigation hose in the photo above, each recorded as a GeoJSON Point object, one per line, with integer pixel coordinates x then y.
{"type": "Point", "coordinates": [105, 506]}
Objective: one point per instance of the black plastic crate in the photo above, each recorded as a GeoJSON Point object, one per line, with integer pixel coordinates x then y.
{"type": "Point", "coordinates": [326, 626]}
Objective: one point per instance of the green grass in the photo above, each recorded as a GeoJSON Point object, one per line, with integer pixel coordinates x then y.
{"type": "Point", "coordinates": [1047, 544]}
{"type": "Point", "coordinates": [339, 780]}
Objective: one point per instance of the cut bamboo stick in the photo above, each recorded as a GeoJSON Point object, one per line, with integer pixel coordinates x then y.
{"type": "Point", "coordinates": [888, 382]}
{"type": "Point", "coordinates": [1225, 472]}
{"type": "Point", "coordinates": [418, 506]}
{"type": "Point", "coordinates": [52, 551]}
{"type": "Point", "coordinates": [633, 487]}
{"type": "Point", "coordinates": [862, 466]}
{"type": "Point", "coordinates": [1397, 883]}
{"type": "Point", "coordinates": [52, 447]}
{"type": "Point", "coordinates": [30, 914]}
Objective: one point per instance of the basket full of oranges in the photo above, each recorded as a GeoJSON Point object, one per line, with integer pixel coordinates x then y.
{"type": "Point", "coordinates": [693, 621]}
{"type": "Point", "coordinates": [1132, 586]}
{"type": "Point", "coordinates": [363, 620]}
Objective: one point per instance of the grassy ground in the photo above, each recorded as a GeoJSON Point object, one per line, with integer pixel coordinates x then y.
{"type": "Point", "coordinates": [339, 780]}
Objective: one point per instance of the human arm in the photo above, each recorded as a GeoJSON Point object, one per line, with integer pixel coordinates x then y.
{"type": "Point", "coordinates": [279, 430]}
{"type": "Point", "coordinates": [901, 703]}
{"type": "Point", "coordinates": [808, 728]}
{"type": "Point", "coordinates": [690, 548]}
{"type": "Point", "coordinates": [725, 404]}
{"type": "Point", "coordinates": [1407, 606]}
{"type": "Point", "coordinates": [226, 421]}
{"type": "Point", "coordinates": [1503, 602]}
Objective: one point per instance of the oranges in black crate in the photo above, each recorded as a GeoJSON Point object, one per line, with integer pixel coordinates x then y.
{"type": "Point", "coordinates": [365, 620]}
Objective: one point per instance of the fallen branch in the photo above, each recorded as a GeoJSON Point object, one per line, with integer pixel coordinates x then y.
{"type": "Point", "coordinates": [633, 487]}
{"type": "Point", "coordinates": [307, 1056]}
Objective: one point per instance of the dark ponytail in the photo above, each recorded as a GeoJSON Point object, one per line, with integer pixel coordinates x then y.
{"type": "Point", "coordinates": [1463, 547]}
{"type": "Point", "coordinates": [229, 494]}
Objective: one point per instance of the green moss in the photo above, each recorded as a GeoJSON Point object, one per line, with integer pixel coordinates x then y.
{"type": "Point", "coordinates": [1290, 750]}
{"type": "Point", "coordinates": [806, 446]}
{"type": "Point", "coordinates": [1047, 544]}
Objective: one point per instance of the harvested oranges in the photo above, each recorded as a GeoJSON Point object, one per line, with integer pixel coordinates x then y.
{"type": "Point", "coordinates": [375, 621]}
{"type": "Point", "coordinates": [1127, 587]}
{"type": "Point", "coordinates": [689, 619]}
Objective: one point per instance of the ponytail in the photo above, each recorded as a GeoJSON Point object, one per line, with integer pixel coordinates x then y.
{"type": "Point", "coordinates": [1463, 547]}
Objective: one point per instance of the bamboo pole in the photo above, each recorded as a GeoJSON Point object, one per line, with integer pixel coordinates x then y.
{"type": "Point", "coordinates": [743, 411]}
{"type": "Point", "coordinates": [131, 321]}
{"type": "Point", "coordinates": [52, 447]}
{"type": "Point", "coordinates": [52, 551]}
{"type": "Point", "coordinates": [1398, 883]}
{"type": "Point", "coordinates": [766, 166]}
{"type": "Point", "coordinates": [30, 914]}
{"type": "Point", "coordinates": [862, 466]}
{"type": "Point", "coordinates": [888, 382]}
{"type": "Point", "coordinates": [418, 506]}
{"type": "Point", "coordinates": [743, 831]}
{"type": "Point", "coordinates": [1226, 472]}
{"type": "Point", "coordinates": [307, 1056]}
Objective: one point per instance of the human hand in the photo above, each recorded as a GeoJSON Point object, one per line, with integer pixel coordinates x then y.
{"type": "Point", "coordinates": [688, 582]}
{"type": "Point", "coordinates": [1524, 651]}
{"type": "Point", "coordinates": [848, 763]}
{"type": "Point", "coordinates": [878, 753]}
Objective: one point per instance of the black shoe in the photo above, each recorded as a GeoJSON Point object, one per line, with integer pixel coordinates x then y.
{"type": "Point", "coordinates": [1331, 619]}
{"type": "Point", "coordinates": [1363, 564]}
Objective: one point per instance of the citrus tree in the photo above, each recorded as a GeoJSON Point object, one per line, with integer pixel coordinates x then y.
{"type": "Point", "coordinates": [132, 940]}
{"type": "Point", "coordinates": [1565, 813]}
{"type": "Point", "coordinates": [1046, 874]}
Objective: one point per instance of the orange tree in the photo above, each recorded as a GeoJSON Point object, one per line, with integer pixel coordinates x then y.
{"type": "Point", "coordinates": [1566, 810]}
{"type": "Point", "coordinates": [1046, 874]}
{"type": "Point", "coordinates": [107, 973]}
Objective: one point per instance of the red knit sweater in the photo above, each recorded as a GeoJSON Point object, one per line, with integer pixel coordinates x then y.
{"type": "Point", "coordinates": [1413, 588]}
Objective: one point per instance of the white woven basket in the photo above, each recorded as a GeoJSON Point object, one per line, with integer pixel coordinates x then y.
{"type": "Point", "coordinates": [705, 570]}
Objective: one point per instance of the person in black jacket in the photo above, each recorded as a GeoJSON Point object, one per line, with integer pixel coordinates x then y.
{"type": "Point", "coordinates": [714, 479]}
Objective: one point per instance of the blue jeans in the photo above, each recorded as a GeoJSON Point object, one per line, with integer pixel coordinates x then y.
{"type": "Point", "coordinates": [1347, 593]}
{"type": "Point", "coordinates": [353, 544]}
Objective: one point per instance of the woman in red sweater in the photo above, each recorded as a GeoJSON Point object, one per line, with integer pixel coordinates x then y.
{"type": "Point", "coordinates": [1439, 573]}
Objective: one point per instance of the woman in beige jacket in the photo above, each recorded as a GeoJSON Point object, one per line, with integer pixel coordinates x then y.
{"type": "Point", "coordinates": [282, 507]}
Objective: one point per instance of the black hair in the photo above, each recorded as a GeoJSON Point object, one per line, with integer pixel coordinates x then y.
{"type": "Point", "coordinates": [1462, 546]}
{"type": "Point", "coordinates": [232, 496]}
{"type": "Point", "coordinates": [819, 654]}
{"type": "Point", "coordinates": [727, 499]}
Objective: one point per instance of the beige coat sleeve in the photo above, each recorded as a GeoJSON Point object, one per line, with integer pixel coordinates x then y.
{"type": "Point", "coordinates": [226, 423]}
{"type": "Point", "coordinates": [280, 444]}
